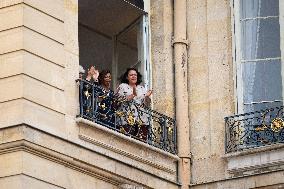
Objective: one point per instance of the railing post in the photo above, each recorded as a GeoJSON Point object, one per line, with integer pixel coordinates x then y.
{"type": "Point", "coordinates": [226, 133]}
{"type": "Point", "coordinates": [80, 96]}
{"type": "Point", "coordinates": [175, 137]}
{"type": "Point", "coordinates": [164, 132]}
{"type": "Point", "coordinates": [94, 103]}
{"type": "Point", "coordinates": [149, 133]}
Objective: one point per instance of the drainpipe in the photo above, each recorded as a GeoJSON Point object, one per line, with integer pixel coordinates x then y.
{"type": "Point", "coordinates": [180, 44]}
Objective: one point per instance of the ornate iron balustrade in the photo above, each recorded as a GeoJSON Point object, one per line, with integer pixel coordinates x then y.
{"type": "Point", "coordinates": [159, 132]}
{"type": "Point", "coordinates": [254, 129]}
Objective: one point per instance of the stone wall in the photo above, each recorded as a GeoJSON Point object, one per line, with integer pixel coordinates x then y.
{"type": "Point", "coordinates": [210, 85]}
{"type": "Point", "coordinates": [212, 97]}
{"type": "Point", "coordinates": [32, 64]}
{"type": "Point", "coordinates": [161, 20]}
{"type": "Point", "coordinates": [42, 143]}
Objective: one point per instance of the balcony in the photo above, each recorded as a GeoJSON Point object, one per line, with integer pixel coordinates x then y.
{"type": "Point", "coordinates": [254, 129]}
{"type": "Point", "coordinates": [161, 131]}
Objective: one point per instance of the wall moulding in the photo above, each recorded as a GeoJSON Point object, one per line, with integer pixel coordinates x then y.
{"type": "Point", "coordinates": [21, 139]}
{"type": "Point", "coordinates": [256, 161]}
{"type": "Point", "coordinates": [86, 158]}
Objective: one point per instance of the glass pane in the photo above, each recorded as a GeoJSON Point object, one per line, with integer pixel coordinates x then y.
{"type": "Point", "coordinates": [260, 39]}
{"type": "Point", "coordinates": [262, 81]}
{"type": "Point", "coordinates": [259, 8]}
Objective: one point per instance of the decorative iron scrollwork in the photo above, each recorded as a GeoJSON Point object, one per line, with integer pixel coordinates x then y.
{"type": "Point", "coordinates": [254, 129]}
{"type": "Point", "coordinates": [160, 130]}
{"type": "Point", "coordinates": [277, 124]}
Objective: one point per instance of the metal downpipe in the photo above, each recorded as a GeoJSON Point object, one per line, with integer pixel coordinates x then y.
{"type": "Point", "coordinates": [180, 44]}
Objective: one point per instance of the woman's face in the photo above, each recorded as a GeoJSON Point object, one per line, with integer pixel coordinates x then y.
{"type": "Point", "coordinates": [132, 77]}
{"type": "Point", "coordinates": [107, 79]}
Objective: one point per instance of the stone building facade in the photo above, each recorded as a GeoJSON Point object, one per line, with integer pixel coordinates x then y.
{"type": "Point", "coordinates": [190, 58]}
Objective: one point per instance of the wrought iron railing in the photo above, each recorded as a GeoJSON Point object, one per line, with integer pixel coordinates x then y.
{"type": "Point", "coordinates": [127, 117]}
{"type": "Point", "coordinates": [254, 129]}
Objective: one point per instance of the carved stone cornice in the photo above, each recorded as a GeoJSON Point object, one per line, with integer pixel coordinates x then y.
{"type": "Point", "coordinates": [128, 186]}
{"type": "Point", "coordinates": [256, 161]}
{"type": "Point", "coordinates": [88, 127]}
{"type": "Point", "coordinates": [29, 147]}
{"type": "Point", "coordinates": [85, 157]}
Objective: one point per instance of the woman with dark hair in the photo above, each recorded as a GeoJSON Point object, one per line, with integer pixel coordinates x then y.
{"type": "Point", "coordinates": [104, 79]}
{"type": "Point", "coordinates": [105, 99]}
{"type": "Point", "coordinates": [132, 117]}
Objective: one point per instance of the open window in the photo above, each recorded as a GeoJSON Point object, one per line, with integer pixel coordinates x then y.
{"type": "Point", "coordinates": [113, 34]}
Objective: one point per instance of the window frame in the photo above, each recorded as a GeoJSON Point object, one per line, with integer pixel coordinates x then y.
{"type": "Point", "coordinates": [237, 53]}
{"type": "Point", "coordinates": [145, 65]}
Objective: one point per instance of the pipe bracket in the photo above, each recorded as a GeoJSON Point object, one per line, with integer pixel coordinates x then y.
{"type": "Point", "coordinates": [180, 41]}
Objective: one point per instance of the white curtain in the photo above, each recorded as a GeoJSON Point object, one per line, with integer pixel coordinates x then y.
{"type": "Point", "coordinates": [261, 70]}
{"type": "Point", "coordinates": [250, 34]}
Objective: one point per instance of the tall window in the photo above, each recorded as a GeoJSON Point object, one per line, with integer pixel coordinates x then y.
{"type": "Point", "coordinates": [257, 54]}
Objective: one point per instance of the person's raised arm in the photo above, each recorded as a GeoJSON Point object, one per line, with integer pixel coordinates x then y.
{"type": "Point", "coordinates": [95, 75]}
{"type": "Point", "coordinates": [92, 74]}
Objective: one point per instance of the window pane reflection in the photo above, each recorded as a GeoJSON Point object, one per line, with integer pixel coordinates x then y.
{"type": "Point", "coordinates": [262, 81]}
{"type": "Point", "coordinates": [260, 39]}
{"type": "Point", "coordinates": [259, 8]}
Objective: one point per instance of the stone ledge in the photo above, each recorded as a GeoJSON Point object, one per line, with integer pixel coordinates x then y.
{"type": "Point", "coordinates": [254, 150]}
{"type": "Point", "coordinates": [90, 123]}
{"type": "Point", "coordinates": [256, 160]}
{"type": "Point", "coordinates": [245, 182]}
{"type": "Point", "coordinates": [124, 148]}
